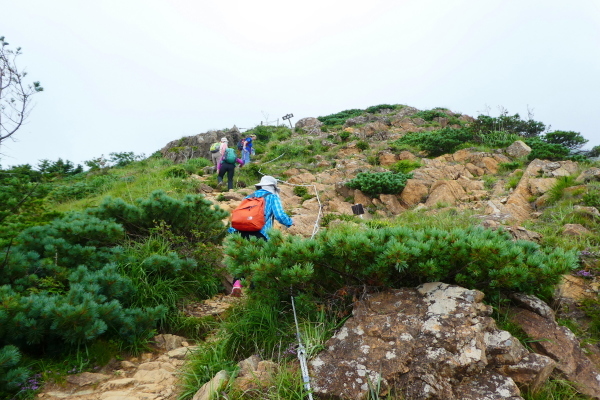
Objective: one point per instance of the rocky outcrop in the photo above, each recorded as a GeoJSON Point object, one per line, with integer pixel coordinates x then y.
{"type": "Point", "coordinates": [310, 125]}
{"type": "Point", "coordinates": [589, 175]}
{"type": "Point", "coordinates": [518, 149]}
{"type": "Point", "coordinates": [558, 343]}
{"type": "Point", "coordinates": [151, 376]}
{"type": "Point", "coordinates": [436, 341]}
{"type": "Point", "coordinates": [196, 146]}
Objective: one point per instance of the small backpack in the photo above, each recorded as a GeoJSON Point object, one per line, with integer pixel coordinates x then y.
{"type": "Point", "coordinates": [241, 145]}
{"type": "Point", "coordinates": [249, 216]}
{"type": "Point", "coordinates": [229, 156]}
{"type": "Point", "coordinates": [215, 147]}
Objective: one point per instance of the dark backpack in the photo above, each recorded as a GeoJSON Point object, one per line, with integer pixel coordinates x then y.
{"type": "Point", "coordinates": [229, 157]}
{"type": "Point", "coordinates": [241, 145]}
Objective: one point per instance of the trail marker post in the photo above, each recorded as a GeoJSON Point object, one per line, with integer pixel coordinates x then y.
{"type": "Point", "coordinates": [288, 116]}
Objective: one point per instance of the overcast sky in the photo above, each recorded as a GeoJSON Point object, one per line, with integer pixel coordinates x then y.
{"type": "Point", "coordinates": [132, 75]}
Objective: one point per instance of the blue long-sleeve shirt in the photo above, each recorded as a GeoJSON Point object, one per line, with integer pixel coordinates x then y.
{"type": "Point", "coordinates": [273, 209]}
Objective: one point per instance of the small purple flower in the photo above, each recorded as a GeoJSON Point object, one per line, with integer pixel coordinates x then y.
{"type": "Point", "coordinates": [584, 273]}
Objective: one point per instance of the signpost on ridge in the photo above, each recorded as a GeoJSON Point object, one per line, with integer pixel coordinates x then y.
{"type": "Point", "coordinates": [288, 116]}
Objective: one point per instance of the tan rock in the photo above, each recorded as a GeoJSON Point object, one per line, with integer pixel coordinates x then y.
{"type": "Point", "coordinates": [530, 372]}
{"type": "Point", "coordinates": [575, 230]}
{"type": "Point", "coordinates": [212, 387]}
{"type": "Point", "coordinates": [154, 376]}
{"type": "Point", "coordinates": [118, 384]}
{"type": "Point", "coordinates": [574, 288]}
{"type": "Point", "coordinates": [407, 155]}
{"type": "Point", "coordinates": [563, 348]}
{"type": "Point", "coordinates": [445, 192]}
{"type": "Point", "coordinates": [387, 159]}
{"type": "Point", "coordinates": [415, 192]}
{"type": "Point", "coordinates": [303, 178]}
{"type": "Point", "coordinates": [539, 186]}
{"type": "Point", "coordinates": [589, 175]}
{"type": "Point", "coordinates": [490, 165]}
{"type": "Point", "coordinates": [462, 156]}
{"type": "Point", "coordinates": [391, 203]}
{"type": "Point", "coordinates": [518, 149]}
{"type": "Point", "coordinates": [469, 184]}
{"type": "Point", "coordinates": [118, 395]}
{"type": "Point", "coordinates": [361, 198]}
{"type": "Point", "coordinates": [181, 352]}
{"type": "Point", "coordinates": [474, 170]}
{"type": "Point", "coordinates": [87, 378]}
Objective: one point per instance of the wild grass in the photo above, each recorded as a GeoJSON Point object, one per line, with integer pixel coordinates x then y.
{"type": "Point", "coordinates": [555, 389]}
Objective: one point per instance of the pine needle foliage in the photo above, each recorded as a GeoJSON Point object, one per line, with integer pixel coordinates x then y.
{"type": "Point", "coordinates": [100, 274]}
{"type": "Point", "coordinates": [376, 183]}
{"type": "Point", "coordinates": [396, 257]}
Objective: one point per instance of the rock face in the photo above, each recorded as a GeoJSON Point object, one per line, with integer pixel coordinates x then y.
{"type": "Point", "coordinates": [196, 146]}
{"type": "Point", "coordinates": [309, 125]}
{"type": "Point", "coordinates": [433, 342]}
{"type": "Point", "coordinates": [559, 343]}
{"type": "Point", "coordinates": [518, 149]}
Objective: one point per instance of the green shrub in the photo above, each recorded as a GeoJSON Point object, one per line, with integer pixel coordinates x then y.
{"type": "Point", "coordinates": [300, 191]}
{"type": "Point", "coordinates": [512, 124]}
{"type": "Point", "coordinates": [475, 258]}
{"type": "Point", "coordinates": [496, 139]}
{"type": "Point", "coordinates": [514, 180]}
{"type": "Point", "coordinates": [176, 171]}
{"type": "Point", "coordinates": [362, 145]}
{"type": "Point", "coordinates": [344, 136]}
{"type": "Point", "coordinates": [378, 108]}
{"type": "Point", "coordinates": [557, 191]}
{"type": "Point", "coordinates": [404, 166]}
{"type": "Point", "coordinates": [546, 151]}
{"type": "Point", "coordinates": [569, 139]}
{"type": "Point", "coordinates": [436, 143]}
{"type": "Point", "coordinates": [341, 117]}
{"type": "Point", "coordinates": [429, 115]}
{"type": "Point", "coordinates": [591, 197]}
{"type": "Point", "coordinates": [12, 376]}
{"type": "Point", "coordinates": [93, 186]}
{"type": "Point", "coordinates": [510, 166]}
{"type": "Point", "coordinates": [70, 282]}
{"type": "Point", "coordinates": [376, 183]}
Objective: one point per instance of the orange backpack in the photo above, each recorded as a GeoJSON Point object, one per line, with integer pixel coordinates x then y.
{"type": "Point", "coordinates": [249, 216]}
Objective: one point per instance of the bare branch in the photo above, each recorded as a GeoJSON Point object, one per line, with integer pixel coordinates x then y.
{"type": "Point", "coordinates": [15, 94]}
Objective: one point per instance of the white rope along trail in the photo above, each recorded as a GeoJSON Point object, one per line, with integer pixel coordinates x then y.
{"type": "Point", "coordinates": [302, 355]}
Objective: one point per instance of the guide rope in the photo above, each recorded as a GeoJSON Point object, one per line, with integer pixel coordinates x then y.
{"type": "Point", "coordinates": [302, 355]}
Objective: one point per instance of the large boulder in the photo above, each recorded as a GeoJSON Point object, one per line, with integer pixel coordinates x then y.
{"type": "Point", "coordinates": [436, 341]}
{"type": "Point", "coordinates": [309, 124]}
{"type": "Point", "coordinates": [538, 322]}
{"type": "Point", "coordinates": [518, 149]}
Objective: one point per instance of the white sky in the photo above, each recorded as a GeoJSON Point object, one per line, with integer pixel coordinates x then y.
{"type": "Point", "coordinates": [132, 75]}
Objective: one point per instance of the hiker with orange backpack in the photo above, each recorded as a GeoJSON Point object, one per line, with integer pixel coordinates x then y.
{"type": "Point", "coordinates": [255, 214]}
{"type": "Point", "coordinates": [246, 219]}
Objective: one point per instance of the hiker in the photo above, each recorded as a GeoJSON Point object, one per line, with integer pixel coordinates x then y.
{"type": "Point", "coordinates": [273, 208]}
{"type": "Point", "coordinates": [247, 150]}
{"type": "Point", "coordinates": [216, 152]}
{"type": "Point", "coordinates": [227, 165]}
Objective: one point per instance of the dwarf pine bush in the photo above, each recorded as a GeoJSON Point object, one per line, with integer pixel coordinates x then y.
{"type": "Point", "coordinates": [376, 183]}
{"type": "Point", "coordinates": [99, 273]}
{"type": "Point", "coordinates": [396, 256]}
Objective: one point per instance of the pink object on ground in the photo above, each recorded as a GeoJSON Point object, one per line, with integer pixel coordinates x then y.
{"type": "Point", "coordinates": [237, 289]}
